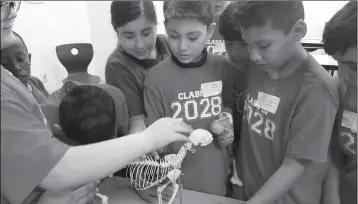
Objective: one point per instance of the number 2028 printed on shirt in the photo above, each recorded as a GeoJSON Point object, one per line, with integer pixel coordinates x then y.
{"type": "Point", "coordinates": [197, 108]}
{"type": "Point", "coordinates": [351, 142]}
{"type": "Point", "coordinates": [258, 123]}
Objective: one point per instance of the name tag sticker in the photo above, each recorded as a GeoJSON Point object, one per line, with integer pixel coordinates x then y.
{"type": "Point", "coordinates": [211, 88]}
{"type": "Point", "coordinates": [349, 120]}
{"type": "Point", "coordinates": [267, 102]}
{"type": "Point", "coordinates": [219, 47]}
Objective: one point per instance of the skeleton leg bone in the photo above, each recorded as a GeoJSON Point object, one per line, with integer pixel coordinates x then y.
{"type": "Point", "coordinates": [173, 175]}
{"type": "Point", "coordinates": [160, 189]}
{"type": "Point", "coordinates": [235, 178]}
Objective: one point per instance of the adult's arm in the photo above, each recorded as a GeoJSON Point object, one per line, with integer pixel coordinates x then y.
{"type": "Point", "coordinates": [83, 164]}
{"type": "Point", "coordinates": [29, 151]}
{"type": "Point", "coordinates": [32, 157]}
{"type": "Point", "coordinates": [330, 193]}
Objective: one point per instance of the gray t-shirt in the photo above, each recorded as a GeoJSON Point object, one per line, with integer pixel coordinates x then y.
{"type": "Point", "coordinates": [29, 151]}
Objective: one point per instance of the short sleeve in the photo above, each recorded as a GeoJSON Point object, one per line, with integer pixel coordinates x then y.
{"type": "Point", "coordinates": [29, 151]}
{"type": "Point", "coordinates": [117, 75]}
{"type": "Point", "coordinates": [154, 106]}
{"type": "Point", "coordinates": [312, 123]}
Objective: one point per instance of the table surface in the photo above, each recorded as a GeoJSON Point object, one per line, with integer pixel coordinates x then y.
{"type": "Point", "coordinates": [119, 191]}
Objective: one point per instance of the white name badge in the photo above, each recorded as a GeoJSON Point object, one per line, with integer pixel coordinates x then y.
{"type": "Point", "coordinates": [267, 102]}
{"type": "Point", "coordinates": [211, 88]}
{"type": "Point", "coordinates": [219, 47]}
{"type": "Point", "coordinates": [349, 120]}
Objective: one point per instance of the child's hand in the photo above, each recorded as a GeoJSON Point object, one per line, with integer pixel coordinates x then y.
{"type": "Point", "coordinates": [223, 127]}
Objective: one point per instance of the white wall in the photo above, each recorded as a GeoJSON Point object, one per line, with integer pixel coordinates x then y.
{"type": "Point", "coordinates": [317, 13]}
{"type": "Point", "coordinates": [43, 26]}
{"type": "Point", "coordinates": [103, 36]}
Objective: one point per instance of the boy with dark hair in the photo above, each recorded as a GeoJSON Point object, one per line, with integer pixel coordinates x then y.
{"type": "Point", "coordinates": [189, 85]}
{"type": "Point", "coordinates": [87, 114]}
{"type": "Point", "coordinates": [52, 105]}
{"type": "Point", "coordinates": [17, 60]}
{"type": "Point", "coordinates": [290, 105]}
{"type": "Point", "coordinates": [235, 46]}
{"type": "Point", "coordinates": [215, 44]}
{"type": "Point", "coordinates": [340, 41]}
{"type": "Point", "coordinates": [238, 57]}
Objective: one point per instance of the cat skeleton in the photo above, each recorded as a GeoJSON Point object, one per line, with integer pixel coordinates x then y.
{"type": "Point", "coordinates": [146, 173]}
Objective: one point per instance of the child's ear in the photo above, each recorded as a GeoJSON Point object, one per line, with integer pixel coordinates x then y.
{"type": "Point", "coordinates": [211, 30]}
{"type": "Point", "coordinates": [299, 30]}
{"type": "Point", "coordinates": [30, 57]}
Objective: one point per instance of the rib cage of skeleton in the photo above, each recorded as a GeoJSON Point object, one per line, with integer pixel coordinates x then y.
{"type": "Point", "coordinates": [147, 172]}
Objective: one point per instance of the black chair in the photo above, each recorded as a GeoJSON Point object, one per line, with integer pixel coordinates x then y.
{"type": "Point", "coordinates": [76, 58]}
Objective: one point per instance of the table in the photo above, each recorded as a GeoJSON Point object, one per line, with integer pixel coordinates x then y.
{"type": "Point", "coordinates": [119, 191]}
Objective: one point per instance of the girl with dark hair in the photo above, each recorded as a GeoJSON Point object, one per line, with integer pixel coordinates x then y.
{"type": "Point", "coordinates": [139, 48]}
{"type": "Point", "coordinates": [34, 163]}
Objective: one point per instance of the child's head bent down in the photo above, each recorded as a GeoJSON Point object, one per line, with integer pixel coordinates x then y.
{"type": "Point", "coordinates": [235, 46]}
{"type": "Point", "coordinates": [87, 115]}
{"type": "Point", "coordinates": [188, 24]}
{"type": "Point", "coordinates": [340, 41]}
{"type": "Point", "coordinates": [272, 30]}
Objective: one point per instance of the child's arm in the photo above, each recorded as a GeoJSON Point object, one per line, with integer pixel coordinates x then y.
{"type": "Point", "coordinates": [331, 186]}
{"type": "Point", "coordinates": [118, 75]}
{"type": "Point", "coordinates": [308, 142]}
{"type": "Point", "coordinates": [279, 183]}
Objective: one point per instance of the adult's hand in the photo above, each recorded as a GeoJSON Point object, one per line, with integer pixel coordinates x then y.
{"type": "Point", "coordinates": [167, 130]}
{"type": "Point", "coordinates": [82, 195]}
